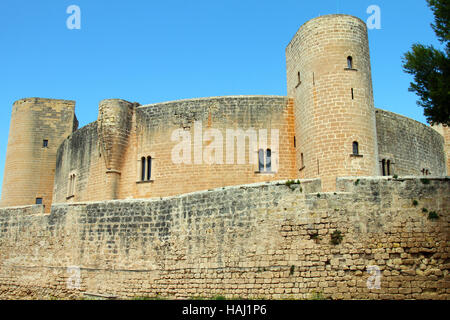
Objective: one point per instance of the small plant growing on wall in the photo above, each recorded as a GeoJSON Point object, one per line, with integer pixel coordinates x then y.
{"type": "Point", "coordinates": [395, 176]}
{"type": "Point", "coordinates": [291, 271]}
{"type": "Point", "coordinates": [425, 181]}
{"type": "Point", "coordinates": [433, 215]}
{"type": "Point", "coordinates": [424, 210]}
{"type": "Point", "coordinates": [336, 237]}
{"type": "Point", "coordinates": [289, 183]}
{"type": "Point", "coordinates": [357, 182]}
{"type": "Point", "coordinates": [415, 203]}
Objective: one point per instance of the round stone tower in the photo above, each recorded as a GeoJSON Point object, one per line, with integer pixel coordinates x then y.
{"type": "Point", "coordinates": [329, 77]}
{"type": "Point", "coordinates": [114, 126]}
{"type": "Point", "coordinates": [38, 127]}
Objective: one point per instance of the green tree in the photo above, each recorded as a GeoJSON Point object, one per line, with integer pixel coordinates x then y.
{"type": "Point", "coordinates": [431, 68]}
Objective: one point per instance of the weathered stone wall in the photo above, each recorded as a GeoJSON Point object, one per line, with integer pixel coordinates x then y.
{"type": "Point", "coordinates": [151, 131]}
{"type": "Point", "coordinates": [445, 132]}
{"type": "Point", "coordinates": [80, 155]}
{"type": "Point", "coordinates": [410, 146]}
{"type": "Point", "coordinates": [257, 241]}
{"type": "Point", "coordinates": [29, 166]}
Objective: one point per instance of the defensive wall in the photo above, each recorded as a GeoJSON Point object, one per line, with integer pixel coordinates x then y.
{"type": "Point", "coordinates": [150, 131]}
{"type": "Point", "coordinates": [268, 240]}
{"type": "Point", "coordinates": [410, 147]}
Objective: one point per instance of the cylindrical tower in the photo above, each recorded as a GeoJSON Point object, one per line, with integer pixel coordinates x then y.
{"type": "Point", "coordinates": [329, 77]}
{"type": "Point", "coordinates": [38, 127]}
{"type": "Point", "coordinates": [114, 126]}
{"type": "Point", "coordinates": [444, 130]}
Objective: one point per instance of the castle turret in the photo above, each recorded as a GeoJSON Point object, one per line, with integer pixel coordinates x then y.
{"type": "Point", "coordinates": [38, 126]}
{"type": "Point", "coordinates": [329, 77]}
{"type": "Point", "coordinates": [114, 126]}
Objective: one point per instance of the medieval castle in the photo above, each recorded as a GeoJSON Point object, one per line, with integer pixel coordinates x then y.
{"type": "Point", "coordinates": [328, 128]}
{"type": "Point", "coordinates": [329, 132]}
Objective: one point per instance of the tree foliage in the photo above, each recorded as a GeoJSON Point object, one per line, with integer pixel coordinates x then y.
{"type": "Point", "coordinates": [431, 68]}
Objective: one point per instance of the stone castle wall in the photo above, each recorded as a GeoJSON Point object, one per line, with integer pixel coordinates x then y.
{"type": "Point", "coordinates": [445, 132]}
{"type": "Point", "coordinates": [151, 130]}
{"type": "Point", "coordinates": [410, 145]}
{"type": "Point", "coordinates": [258, 241]}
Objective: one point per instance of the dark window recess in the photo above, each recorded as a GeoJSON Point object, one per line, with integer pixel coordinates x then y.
{"type": "Point", "coordinates": [149, 168]}
{"type": "Point", "coordinates": [143, 169]}
{"type": "Point", "coordinates": [353, 94]}
{"type": "Point", "coordinates": [45, 143]}
{"type": "Point", "coordinates": [388, 167]}
{"type": "Point", "coordinates": [355, 148]}
{"type": "Point", "coordinates": [269, 160]}
{"type": "Point", "coordinates": [261, 160]}
{"type": "Point", "coordinates": [383, 167]}
{"type": "Point", "coordinates": [295, 143]}
{"type": "Point", "coordinates": [349, 62]}
{"type": "Point", "coordinates": [38, 200]}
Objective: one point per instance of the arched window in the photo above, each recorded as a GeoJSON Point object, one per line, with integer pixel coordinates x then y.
{"type": "Point", "coordinates": [261, 160]}
{"type": "Point", "coordinates": [349, 62]}
{"type": "Point", "coordinates": [149, 168]}
{"type": "Point", "coordinates": [383, 167]}
{"type": "Point", "coordinates": [269, 160]}
{"type": "Point", "coordinates": [355, 148]}
{"type": "Point", "coordinates": [143, 168]}
{"type": "Point", "coordinates": [388, 167]}
{"type": "Point", "coordinates": [265, 160]}
{"type": "Point", "coordinates": [71, 186]}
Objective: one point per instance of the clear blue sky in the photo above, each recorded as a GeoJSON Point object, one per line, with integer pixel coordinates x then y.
{"type": "Point", "coordinates": [155, 51]}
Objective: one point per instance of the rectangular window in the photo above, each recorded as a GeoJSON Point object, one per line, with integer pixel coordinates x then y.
{"type": "Point", "coordinates": [38, 200]}
{"type": "Point", "coordinates": [45, 144]}
{"type": "Point", "coordinates": [261, 160]}
{"type": "Point", "coordinates": [149, 168]}
{"type": "Point", "coordinates": [269, 160]}
{"type": "Point", "coordinates": [143, 169]}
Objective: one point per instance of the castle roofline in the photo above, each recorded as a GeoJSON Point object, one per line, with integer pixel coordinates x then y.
{"type": "Point", "coordinates": [404, 117]}
{"type": "Point", "coordinates": [326, 16]}
{"type": "Point", "coordinates": [214, 98]}
{"type": "Point", "coordinates": [37, 99]}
